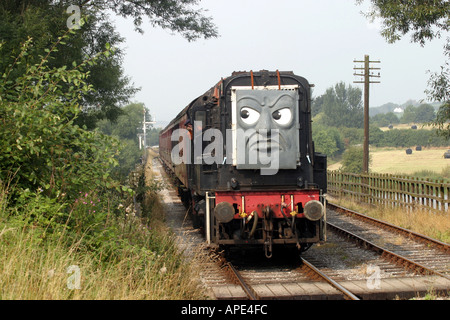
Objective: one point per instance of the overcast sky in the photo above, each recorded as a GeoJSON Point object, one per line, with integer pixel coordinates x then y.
{"type": "Point", "coordinates": [317, 39]}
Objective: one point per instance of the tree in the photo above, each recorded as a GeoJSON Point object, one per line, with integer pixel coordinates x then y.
{"type": "Point", "coordinates": [46, 20]}
{"type": "Point", "coordinates": [384, 119]}
{"type": "Point", "coordinates": [425, 20]}
{"type": "Point", "coordinates": [327, 141]}
{"type": "Point", "coordinates": [128, 124]}
{"type": "Point", "coordinates": [425, 113]}
{"type": "Point", "coordinates": [352, 160]}
{"type": "Point", "coordinates": [392, 118]}
{"type": "Point", "coordinates": [316, 105]}
{"type": "Point", "coordinates": [126, 129]}
{"type": "Point", "coordinates": [409, 115]}
{"type": "Point", "coordinates": [439, 90]}
{"type": "Point", "coordinates": [175, 15]}
{"type": "Point", "coordinates": [342, 106]}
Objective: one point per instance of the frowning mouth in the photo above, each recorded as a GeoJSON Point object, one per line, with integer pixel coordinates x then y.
{"type": "Point", "coordinates": [266, 146]}
{"type": "Point", "coordinates": [261, 143]}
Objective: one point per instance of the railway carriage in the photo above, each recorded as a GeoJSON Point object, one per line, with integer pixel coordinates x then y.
{"type": "Point", "coordinates": [244, 159]}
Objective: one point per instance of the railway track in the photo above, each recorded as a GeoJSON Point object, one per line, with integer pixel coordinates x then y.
{"type": "Point", "coordinates": [422, 254]}
{"type": "Point", "coordinates": [285, 282]}
{"type": "Point", "coordinates": [322, 276]}
{"type": "Point", "coordinates": [345, 260]}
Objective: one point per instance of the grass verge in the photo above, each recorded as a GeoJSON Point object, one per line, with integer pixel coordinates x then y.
{"type": "Point", "coordinates": [130, 258]}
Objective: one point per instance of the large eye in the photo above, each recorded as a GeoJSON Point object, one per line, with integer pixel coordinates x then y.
{"type": "Point", "coordinates": [282, 116]}
{"type": "Point", "coordinates": [249, 115]}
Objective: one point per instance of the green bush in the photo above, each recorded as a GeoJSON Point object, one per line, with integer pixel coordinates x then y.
{"type": "Point", "coordinates": [327, 140]}
{"type": "Point", "coordinates": [352, 160]}
{"type": "Point", "coordinates": [40, 146]}
{"type": "Point", "coordinates": [58, 190]}
{"type": "Point", "coordinates": [47, 160]}
{"type": "Point", "coordinates": [407, 138]}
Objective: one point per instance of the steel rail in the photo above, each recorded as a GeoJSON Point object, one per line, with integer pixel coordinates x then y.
{"type": "Point", "coordinates": [420, 237]}
{"type": "Point", "coordinates": [253, 296]}
{"type": "Point", "coordinates": [401, 260]}
{"type": "Point", "coordinates": [247, 289]}
{"type": "Point", "coordinates": [333, 283]}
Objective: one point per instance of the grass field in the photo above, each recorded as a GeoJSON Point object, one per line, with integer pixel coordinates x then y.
{"type": "Point", "coordinates": [396, 161]}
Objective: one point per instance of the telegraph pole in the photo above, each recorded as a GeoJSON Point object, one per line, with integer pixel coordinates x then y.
{"type": "Point", "coordinates": [366, 73]}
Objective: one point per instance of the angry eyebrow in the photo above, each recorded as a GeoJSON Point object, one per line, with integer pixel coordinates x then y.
{"type": "Point", "coordinates": [265, 98]}
{"type": "Point", "coordinates": [281, 97]}
{"type": "Point", "coordinates": [250, 98]}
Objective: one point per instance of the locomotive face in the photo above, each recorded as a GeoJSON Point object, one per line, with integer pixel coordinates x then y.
{"type": "Point", "coordinates": [265, 129]}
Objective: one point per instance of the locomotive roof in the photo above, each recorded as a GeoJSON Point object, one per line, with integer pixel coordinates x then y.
{"type": "Point", "coordinates": [235, 74]}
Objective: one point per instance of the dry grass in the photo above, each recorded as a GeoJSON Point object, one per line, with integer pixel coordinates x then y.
{"type": "Point", "coordinates": [396, 161]}
{"type": "Point", "coordinates": [29, 270]}
{"type": "Point", "coordinates": [33, 269]}
{"type": "Point", "coordinates": [407, 126]}
{"type": "Point", "coordinates": [432, 224]}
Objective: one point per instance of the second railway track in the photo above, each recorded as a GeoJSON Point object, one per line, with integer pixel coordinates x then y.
{"type": "Point", "coordinates": [424, 254]}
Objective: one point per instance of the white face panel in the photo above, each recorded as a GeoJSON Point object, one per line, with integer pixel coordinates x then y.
{"type": "Point", "coordinates": [265, 124]}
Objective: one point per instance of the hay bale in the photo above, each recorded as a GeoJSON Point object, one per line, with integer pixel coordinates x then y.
{"type": "Point", "coordinates": [414, 127]}
{"type": "Point", "coordinates": [391, 127]}
{"type": "Point", "coordinates": [447, 155]}
{"type": "Point", "coordinates": [419, 148]}
{"type": "Point", "coordinates": [408, 151]}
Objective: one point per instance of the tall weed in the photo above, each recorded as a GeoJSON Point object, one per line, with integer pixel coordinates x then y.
{"type": "Point", "coordinates": [123, 259]}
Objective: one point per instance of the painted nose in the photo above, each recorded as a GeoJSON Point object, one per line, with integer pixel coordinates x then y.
{"type": "Point", "coordinates": [265, 121]}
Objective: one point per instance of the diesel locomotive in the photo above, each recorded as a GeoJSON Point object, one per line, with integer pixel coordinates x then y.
{"type": "Point", "coordinates": [243, 156]}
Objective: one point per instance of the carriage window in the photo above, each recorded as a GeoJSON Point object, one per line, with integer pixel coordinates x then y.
{"type": "Point", "coordinates": [201, 116]}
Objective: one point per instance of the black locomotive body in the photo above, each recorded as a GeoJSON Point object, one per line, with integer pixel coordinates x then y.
{"type": "Point", "coordinates": [244, 158]}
